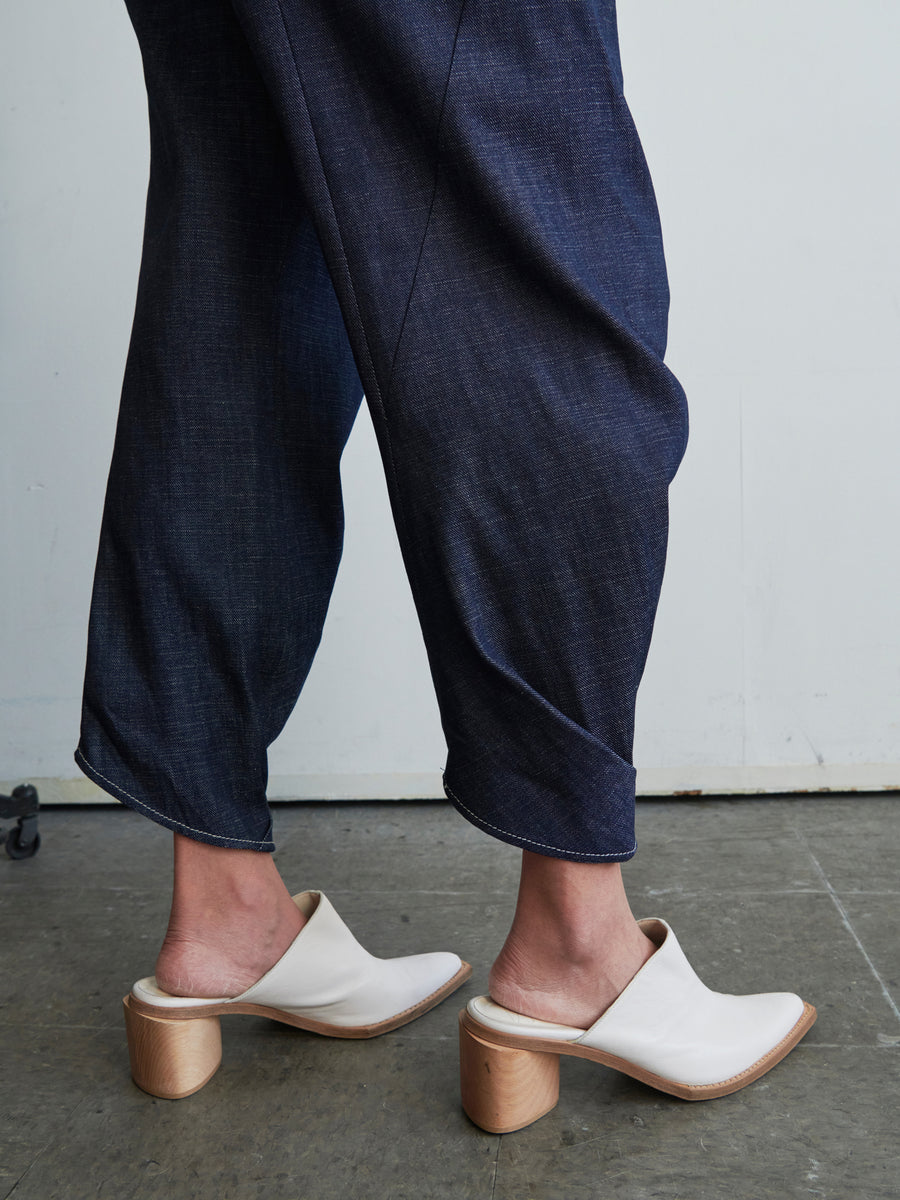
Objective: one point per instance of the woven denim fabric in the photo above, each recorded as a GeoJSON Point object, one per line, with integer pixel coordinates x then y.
{"type": "Point", "coordinates": [444, 202]}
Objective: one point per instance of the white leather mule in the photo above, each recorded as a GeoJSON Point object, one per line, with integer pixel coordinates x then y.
{"type": "Point", "coordinates": [667, 1029]}
{"type": "Point", "coordinates": [325, 982]}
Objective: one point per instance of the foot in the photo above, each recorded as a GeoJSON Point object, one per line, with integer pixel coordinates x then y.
{"type": "Point", "coordinates": [232, 919]}
{"type": "Point", "coordinates": [326, 982]}
{"type": "Point", "coordinates": [668, 1030]}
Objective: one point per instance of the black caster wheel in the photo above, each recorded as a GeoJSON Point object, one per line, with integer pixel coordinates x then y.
{"type": "Point", "coordinates": [17, 847]}
{"type": "Point", "coordinates": [23, 805]}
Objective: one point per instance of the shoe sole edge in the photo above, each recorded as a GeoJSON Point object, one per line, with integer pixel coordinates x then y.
{"type": "Point", "coordinates": [224, 1009]}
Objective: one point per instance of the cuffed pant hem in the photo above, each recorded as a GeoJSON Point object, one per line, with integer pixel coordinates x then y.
{"type": "Point", "coordinates": [198, 835]}
{"type": "Point", "coordinates": [537, 847]}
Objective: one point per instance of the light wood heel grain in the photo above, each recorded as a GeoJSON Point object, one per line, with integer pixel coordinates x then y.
{"type": "Point", "coordinates": [504, 1089]}
{"type": "Point", "coordinates": [172, 1059]}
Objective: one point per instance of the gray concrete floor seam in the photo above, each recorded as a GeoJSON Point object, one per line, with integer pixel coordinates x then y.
{"type": "Point", "coordinates": [880, 1043]}
{"type": "Point", "coordinates": [848, 924]}
{"type": "Point", "coordinates": [717, 893]}
{"type": "Point", "coordinates": [22, 1180]}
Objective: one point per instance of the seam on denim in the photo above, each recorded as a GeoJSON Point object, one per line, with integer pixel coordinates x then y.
{"type": "Point", "coordinates": [544, 845]}
{"type": "Point", "coordinates": [351, 290]}
{"type": "Point", "coordinates": [79, 756]}
{"type": "Point", "coordinates": [434, 192]}
{"type": "Point", "coordinates": [376, 395]}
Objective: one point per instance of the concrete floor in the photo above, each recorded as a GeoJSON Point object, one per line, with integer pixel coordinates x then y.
{"type": "Point", "coordinates": [764, 894]}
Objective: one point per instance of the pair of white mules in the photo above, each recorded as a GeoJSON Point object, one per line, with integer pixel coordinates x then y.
{"type": "Point", "coordinates": [666, 1028]}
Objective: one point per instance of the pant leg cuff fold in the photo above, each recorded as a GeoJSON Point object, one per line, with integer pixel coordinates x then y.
{"type": "Point", "coordinates": [162, 818]}
{"type": "Point", "coordinates": [603, 844]}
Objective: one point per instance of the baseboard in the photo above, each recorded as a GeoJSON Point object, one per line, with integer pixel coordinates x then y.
{"type": "Point", "coordinates": [674, 782]}
{"type": "Point", "coordinates": [775, 780]}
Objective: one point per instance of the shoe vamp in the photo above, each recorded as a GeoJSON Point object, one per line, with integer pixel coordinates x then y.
{"type": "Point", "coordinates": [710, 1040]}
{"type": "Point", "coordinates": [384, 988]}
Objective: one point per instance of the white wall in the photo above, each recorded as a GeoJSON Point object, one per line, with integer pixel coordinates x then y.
{"type": "Point", "coordinates": [773, 129]}
{"type": "Point", "coordinates": [772, 132]}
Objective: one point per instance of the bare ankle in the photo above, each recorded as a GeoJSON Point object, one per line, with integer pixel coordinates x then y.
{"type": "Point", "coordinates": [232, 919]}
{"type": "Point", "coordinates": [538, 981]}
{"type": "Point", "coordinates": [225, 956]}
{"type": "Point", "coordinates": [574, 944]}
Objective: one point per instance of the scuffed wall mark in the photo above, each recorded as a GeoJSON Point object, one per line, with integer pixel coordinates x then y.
{"type": "Point", "coordinates": [820, 758]}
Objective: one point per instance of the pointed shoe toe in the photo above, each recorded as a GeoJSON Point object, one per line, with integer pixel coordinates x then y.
{"type": "Point", "coordinates": [666, 1029]}
{"type": "Point", "coordinates": [325, 982]}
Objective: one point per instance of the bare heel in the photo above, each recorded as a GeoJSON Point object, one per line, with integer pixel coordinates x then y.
{"type": "Point", "coordinates": [172, 1059]}
{"type": "Point", "coordinates": [505, 1089]}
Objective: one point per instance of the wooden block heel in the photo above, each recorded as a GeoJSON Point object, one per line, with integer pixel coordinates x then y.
{"type": "Point", "coordinates": [504, 1089]}
{"type": "Point", "coordinates": [172, 1059]}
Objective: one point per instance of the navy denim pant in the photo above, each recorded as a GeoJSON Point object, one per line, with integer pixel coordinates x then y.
{"type": "Point", "coordinates": [445, 203]}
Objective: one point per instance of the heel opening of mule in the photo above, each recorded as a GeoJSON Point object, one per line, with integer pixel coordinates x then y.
{"type": "Point", "coordinates": [172, 1059]}
{"type": "Point", "coordinates": [504, 1089]}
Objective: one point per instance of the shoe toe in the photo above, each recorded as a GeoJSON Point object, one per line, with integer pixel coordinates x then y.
{"type": "Point", "coordinates": [743, 1030]}
{"type": "Point", "coordinates": [396, 984]}
{"type": "Point", "coordinates": [708, 1039]}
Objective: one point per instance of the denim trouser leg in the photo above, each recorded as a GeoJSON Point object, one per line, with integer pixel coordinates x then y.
{"type": "Point", "coordinates": [223, 521]}
{"type": "Point", "coordinates": [489, 226]}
